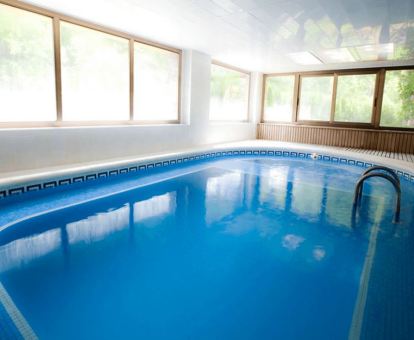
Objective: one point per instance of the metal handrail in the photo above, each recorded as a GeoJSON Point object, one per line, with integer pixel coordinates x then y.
{"type": "Point", "coordinates": [381, 168]}
{"type": "Point", "coordinates": [394, 182]}
{"type": "Point", "coordinates": [384, 168]}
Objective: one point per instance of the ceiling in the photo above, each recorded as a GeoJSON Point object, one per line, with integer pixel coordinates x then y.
{"type": "Point", "coordinates": [265, 35]}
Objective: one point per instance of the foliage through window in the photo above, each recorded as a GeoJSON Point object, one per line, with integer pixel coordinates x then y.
{"type": "Point", "coordinates": [95, 75]}
{"type": "Point", "coordinates": [27, 78]}
{"type": "Point", "coordinates": [156, 81]}
{"type": "Point", "coordinates": [398, 99]}
{"type": "Point", "coordinates": [278, 103]}
{"type": "Point", "coordinates": [316, 98]}
{"type": "Point", "coordinates": [229, 98]}
{"type": "Point", "coordinates": [355, 98]}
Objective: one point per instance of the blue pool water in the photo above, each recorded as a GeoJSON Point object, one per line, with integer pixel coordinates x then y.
{"type": "Point", "coordinates": [244, 248]}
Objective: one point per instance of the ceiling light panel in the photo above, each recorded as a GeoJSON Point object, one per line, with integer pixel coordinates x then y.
{"type": "Point", "coordinates": [304, 58]}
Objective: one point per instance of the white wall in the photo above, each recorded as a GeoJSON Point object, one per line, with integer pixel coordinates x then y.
{"type": "Point", "coordinates": [23, 149]}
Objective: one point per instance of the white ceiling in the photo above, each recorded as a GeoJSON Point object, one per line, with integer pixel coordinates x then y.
{"type": "Point", "coordinates": [258, 35]}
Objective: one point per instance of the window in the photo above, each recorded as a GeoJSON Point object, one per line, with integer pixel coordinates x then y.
{"type": "Point", "coordinates": [95, 75]}
{"type": "Point", "coordinates": [27, 80]}
{"type": "Point", "coordinates": [278, 103]}
{"type": "Point", "coordinates": [156, 82]}
{"type": "Point", "coordinates": [316, 98]}
{"type": "Point", "coordinates": [398, 99]}
{"type": "Point", "coordinates": [229, 98]}
{"type": "Point", "coordinates": [355, 98]}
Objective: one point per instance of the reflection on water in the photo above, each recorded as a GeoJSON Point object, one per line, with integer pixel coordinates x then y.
{"type": "Point", "coordinates": [318, 253]}
{"type": "Point", "coordinates": [273, 186]}
{"type": "Point", "coordinates": [97, 227]}
{"type": "Point", "coordinates": [156, 206]}
{"type": "Point", "coordinates": [22, 251]}
{"type": "Point", "coordinates": [262, 199]}
{"type": "Point", "coordinates": [223, 196]}
{"type": "Point", "coordinates": [292, 242]}
{"type": "Point", "coordinates": [307, 196]}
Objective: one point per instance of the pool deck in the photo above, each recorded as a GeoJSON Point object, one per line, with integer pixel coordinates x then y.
{"type": "Point", "coordinates": [403, 162]}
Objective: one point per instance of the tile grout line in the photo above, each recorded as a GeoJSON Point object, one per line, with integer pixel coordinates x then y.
{"type": "Point", "coordinates": [16, 316]}
{"type": "Point", "coordinates": [359, 308]}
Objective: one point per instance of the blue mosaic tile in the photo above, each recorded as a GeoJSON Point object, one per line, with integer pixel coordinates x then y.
{"type": "Point", "coordinates": [52, 184]}
{"type": "Point", "coordinates": [3, 194]}
{"type": "Point", "coordinates": [279, 153]}
{"type": "Point", "coordinates": [158, 164]}
{"type": "Point", "coordinates": [103, 174]}
{"type": "Point", "coordinates": [123, 171]}
{"type": "Point", "coordinates": [351, 161]}
{"type": "Point", "coordinates": [133, 169]}
{"type": "Point", "coordinates": [78, 179]}
{"type": "Point", "coordinates": [360, 164]}
{"type": "Point", "coordinates": [293, 154]}
{"type": "Point", "coordinates": [16, 191]}
{"type": "Point", "coordinates": [8, 329]}
{"type": "Point", "coordinates": [65, 181]}
{"type": "Point", "coordinates": [150, 166]}
{"type": "Point", "coordinates": [326, 158]}
{"type": "Point", "coordinates": [90, 177]}
{"type": "Point", "coordinates": [335, 159]}
{"type": "Point", "coordinates": [113, 172]}
{"type": "Point", "coordinates": [142, 167]}
{"type": "Point", "coordinates": [34, 187]}
{"type": "Point", "coordinates": [173, 161]}
{"type": "Point", "coordinates": [286, 153]}
{"type": "Point", "coordinates": [302, 155]}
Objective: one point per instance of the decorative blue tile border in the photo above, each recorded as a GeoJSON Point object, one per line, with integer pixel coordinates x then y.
{"type": "Point", "coordinates": [14, 191]}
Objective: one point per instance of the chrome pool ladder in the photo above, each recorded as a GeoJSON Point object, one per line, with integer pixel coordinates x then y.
{"type": "Point", "coordinates": [378, 171]}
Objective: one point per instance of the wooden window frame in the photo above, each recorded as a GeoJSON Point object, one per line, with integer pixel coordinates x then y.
{"type": "Point", "coordinates": [249, 74]}
{"type": "Point", "coordinates": [59, 122]}
{"type": "Point", "coordinates": [380, 73]}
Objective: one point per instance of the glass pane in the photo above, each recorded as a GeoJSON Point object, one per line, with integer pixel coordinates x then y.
{"type": "Point", "coordinates": [27, 78]}
{"type": "Point", "coordinates": [355, 98]}
{"type": "Point", "coordinates": [398, 99]}
{"type": "Point", "coordinates": [279, 98]}
{"type": "Point", "coordinates": [229, 94]}
{"type": "Point", "coordinates": [156, 83]}
{"type": "Point", "coordinates": [95, 75]}
{"type": "Point", "coordinates": [316, 98]}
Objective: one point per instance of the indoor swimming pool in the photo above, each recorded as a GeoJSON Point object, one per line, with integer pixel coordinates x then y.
{"type": "Point", "coordinates": [245, 247]}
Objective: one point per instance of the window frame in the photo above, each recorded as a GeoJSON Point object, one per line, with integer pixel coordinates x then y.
{"type": "Point", "coordinates": [59, 122]}
{"type": "Point", "coordinates": [249, 75]}
{"type": "Point", "coordinates": [380, 73]}
{"type": "Point", "coordinates": [295, 93]}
